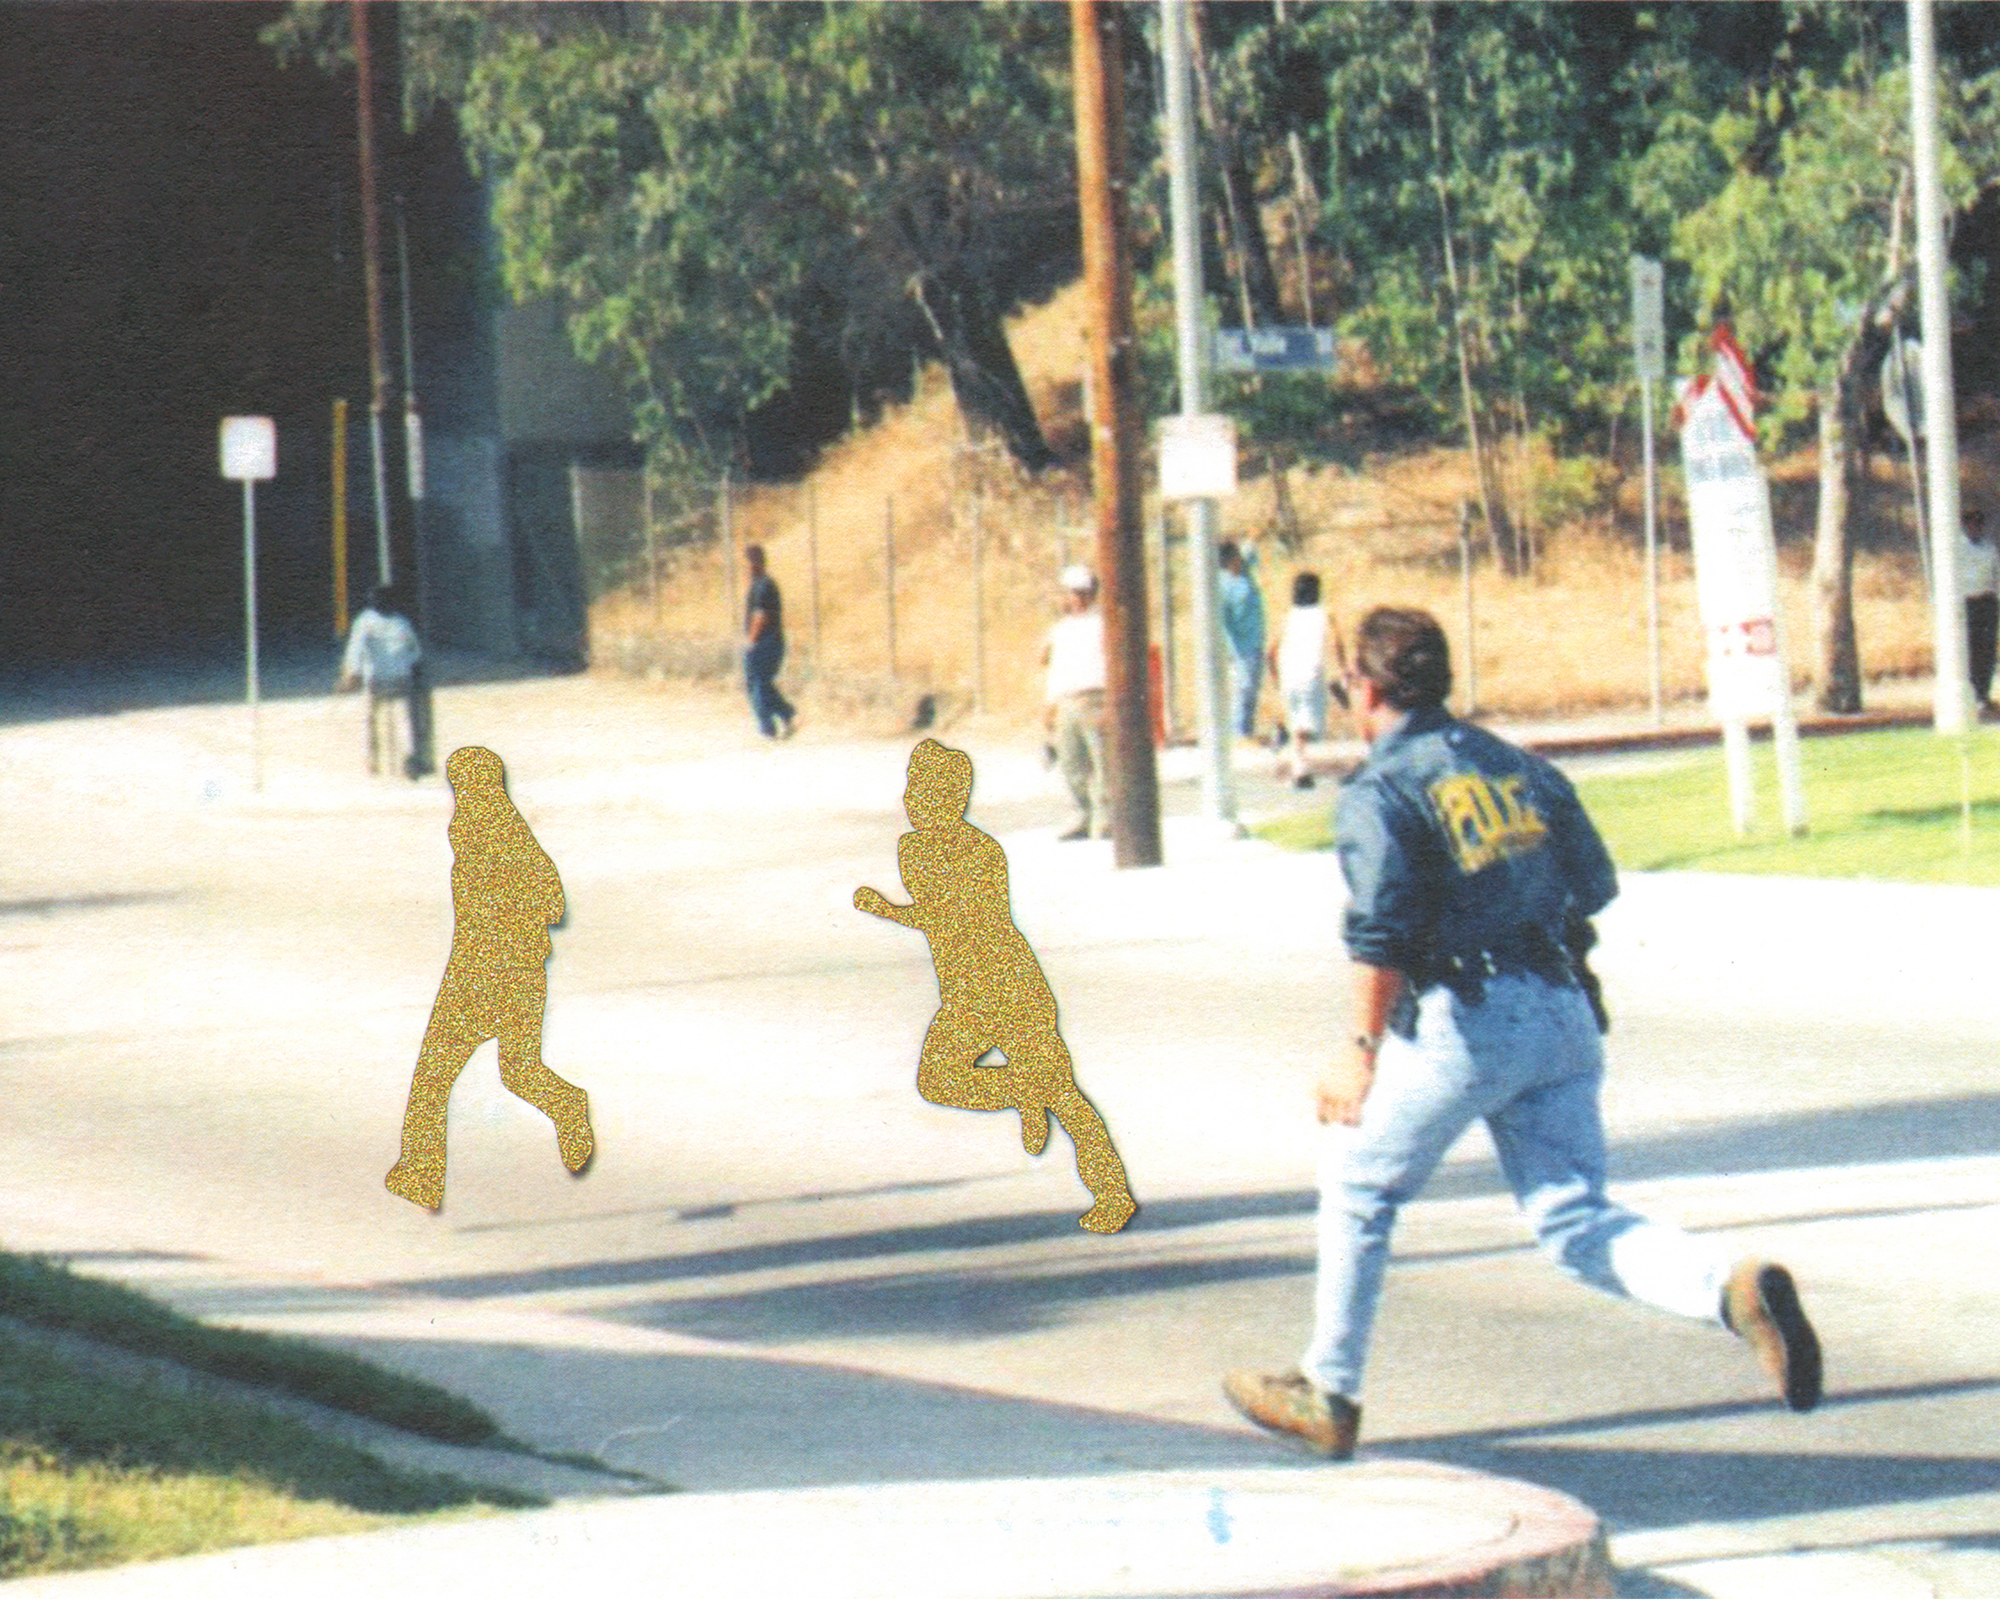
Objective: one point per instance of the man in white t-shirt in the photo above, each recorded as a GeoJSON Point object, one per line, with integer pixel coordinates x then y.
{"type": "Point", "coordinates": [1074, 714]}
{"type": "Point", "coordinates": [385, 658]}
{"type": "Point", "coordinates": [1979, 583]}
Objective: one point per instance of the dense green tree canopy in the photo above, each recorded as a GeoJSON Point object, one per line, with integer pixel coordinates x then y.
{"type": "Point", "coordinates": [717, 190]}
{"type": "Point", "coordinates": [707, 186]}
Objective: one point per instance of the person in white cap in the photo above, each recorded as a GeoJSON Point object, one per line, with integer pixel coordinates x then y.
{"type": "Point", "coordinates": [1074, 714]}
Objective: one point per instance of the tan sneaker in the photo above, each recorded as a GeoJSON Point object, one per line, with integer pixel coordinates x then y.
{"type": "Point", "coordinates": [1761, 1306]}
{"type": "Point", "coordinates": [1291, 1403]}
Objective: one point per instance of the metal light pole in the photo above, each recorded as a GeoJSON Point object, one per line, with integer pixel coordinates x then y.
{"type": "Point", "coordinates": [1218, 786]}
{"type": "Point", "coordinates": [1951, 691]}
{"type": "Point", "coordinates": [413, 421]}
{"type": "Point", "coordinates": [1649, 362]}
{"type": "Point", "coordinates": [371, 278]}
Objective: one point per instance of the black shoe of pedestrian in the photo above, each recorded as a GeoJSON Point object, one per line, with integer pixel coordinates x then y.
{"type": "Point", "coordinates": [1303, 781]}
{"type": "Point", "coordinates": [1078, 832]}
{"type": "Point", "coordinates": [1760, 1304]}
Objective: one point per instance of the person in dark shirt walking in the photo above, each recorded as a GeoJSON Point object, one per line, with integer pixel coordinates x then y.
{"type": "Point", "coordinates": [764, 651]}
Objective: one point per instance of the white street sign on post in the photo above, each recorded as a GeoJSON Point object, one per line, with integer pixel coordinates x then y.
{"type": "Point", "coordinates": [413, 451]}
{"type": "Point", "coordinates": [250, 453]}
{"type": "Point", "coordinates": [1649, 327]}
{"type": "Point", "coordinates": [1902, 388]}
{"type": "Point", "coordinates": [1736, 588]}
{"type": "Point", "coordinates": [1197, 457]}
{"type": "Point", "coordinates": [249, 448]}
{"type": "Point", "coordinates": [1903, 405]}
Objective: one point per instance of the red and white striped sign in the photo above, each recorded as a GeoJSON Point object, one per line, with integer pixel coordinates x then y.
{"type": "Point", "coordinates": [1734, 383]}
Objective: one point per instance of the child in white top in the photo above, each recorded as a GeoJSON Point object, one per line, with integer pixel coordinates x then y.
{"type": "Point", "coordinates": [1298, 662]}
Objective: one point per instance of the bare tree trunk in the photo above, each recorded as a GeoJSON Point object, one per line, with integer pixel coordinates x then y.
{"type": "Point", "coordinates": [986, 382]}
{"type": "Point", "coordinates": [1305, 216]}
{"type": "Point", "coordinates": [1256, 282]}
{"type": "Point", "coordinates": [1492, 508]}
{"type": "Point", "coordinates": [1836, 660]}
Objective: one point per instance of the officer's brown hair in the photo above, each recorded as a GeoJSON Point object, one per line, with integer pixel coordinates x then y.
{"type": "Point", "coordinates": [1403, 653]}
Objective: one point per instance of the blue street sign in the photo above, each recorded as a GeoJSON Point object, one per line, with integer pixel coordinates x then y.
{"type": "Point", "coordinates": [1274, 350]}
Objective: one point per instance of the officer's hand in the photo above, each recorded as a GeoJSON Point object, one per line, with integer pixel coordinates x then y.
{"type": "Point", "coordinates": [1344, 1087]}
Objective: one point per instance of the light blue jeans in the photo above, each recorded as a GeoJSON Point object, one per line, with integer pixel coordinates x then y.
{"type": "Point", "coordinates": [1246, 677]}
{"type": "Point", "coordinates": [1527, 1059]}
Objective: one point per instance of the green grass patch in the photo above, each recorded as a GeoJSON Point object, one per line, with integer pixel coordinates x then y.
{"type": "Point", "coordinates": [1885, 805]}
{"type": "Point", "coordinates": [96, 1470]}
{"type": "Point", "coordinates": [50, 1296]}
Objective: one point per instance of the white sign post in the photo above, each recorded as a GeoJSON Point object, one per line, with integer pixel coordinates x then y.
{"type": "Point", "coordinates": [250, 452]}
{"type": "Point", "coordinates": [1649, 358]}
{"type": "Point", "coordinates": [1736, 585]}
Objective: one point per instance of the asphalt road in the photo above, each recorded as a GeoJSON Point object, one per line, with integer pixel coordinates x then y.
{"type": "Point", "coordinates": [784, 1267]}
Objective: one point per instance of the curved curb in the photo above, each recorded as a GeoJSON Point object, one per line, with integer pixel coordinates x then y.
{"type": "Point", "coordinates": [1365, 1528]}
{"type": "Point", "coordinates": [1555, 1545]}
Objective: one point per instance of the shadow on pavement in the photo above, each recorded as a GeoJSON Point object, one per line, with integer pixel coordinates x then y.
{"type": "Point", "coordinates": [1664, 1487]}
{"type": "Point", "coordinates": [1961, 1126]}
{"type": "Point", "coordinates": [725, 1208]}
{"type": "Point", "coordinates": [56, 692]}
{"type": "Point", "coordinates": [727, 1422]}
{"type": "Point", "coordinates": [944, 1306]}
{"type": "Point", "coordinates": [969, 1234]}
{"type": "Point", "coordinates": [86, 902]}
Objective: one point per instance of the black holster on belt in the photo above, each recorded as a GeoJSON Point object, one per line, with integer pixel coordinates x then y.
{"type": "Point", "coordinates": [1579, 939]}
{"type": "Point", "coordinates": [1533, 951]}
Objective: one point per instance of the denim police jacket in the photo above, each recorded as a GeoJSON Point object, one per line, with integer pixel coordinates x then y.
{"type": "Point", "coordinates": [1458, 846]}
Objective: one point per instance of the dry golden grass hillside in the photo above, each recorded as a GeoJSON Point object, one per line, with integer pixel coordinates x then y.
{"type": "Point", "coordinates": [972, 538]}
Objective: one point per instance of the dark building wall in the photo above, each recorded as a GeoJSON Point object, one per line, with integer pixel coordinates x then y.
{"type": "Point", "coordinates": [170, 253]}
{"type": "Point", "coordinates": [180, 240]}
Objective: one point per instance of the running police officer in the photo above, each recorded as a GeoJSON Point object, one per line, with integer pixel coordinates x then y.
{"type": "Point", "coordinates": [1473, 872]}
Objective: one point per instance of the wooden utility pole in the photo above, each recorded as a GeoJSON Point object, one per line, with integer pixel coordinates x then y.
{"type": "Point", "coordinates": [1096, 38]}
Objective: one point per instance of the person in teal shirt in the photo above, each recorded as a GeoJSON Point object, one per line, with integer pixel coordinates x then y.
{"type": "Point", "coordinates": [1243, 626]}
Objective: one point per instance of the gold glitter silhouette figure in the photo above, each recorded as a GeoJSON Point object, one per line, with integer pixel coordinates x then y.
{"type": "Point", "coordinates": [504, 895]}
{"type": "Point", "coordinates": [992, 992]}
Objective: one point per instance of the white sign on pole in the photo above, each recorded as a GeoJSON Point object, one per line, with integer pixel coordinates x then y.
{"type": "Point", "coordinates": [1735, 562]}
{"type": "Point", "coordinates": [1649, 325]}
{"type": "Point", "coordinates": [249, 448]}
{"type": "Point", "coordinates": [1197, 457]}
{"type": "Point", "coordinates": [413, 450]}
{"type": "Point", "coordinates": [250, 455]}
{"type": "Point", "coordinates": [1902, 389]}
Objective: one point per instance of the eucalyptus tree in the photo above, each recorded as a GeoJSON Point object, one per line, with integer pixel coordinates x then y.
{"type": "Point", "coordinates": [1473, 159]}
{"type": "Point", "coordinates": [1792, 205]}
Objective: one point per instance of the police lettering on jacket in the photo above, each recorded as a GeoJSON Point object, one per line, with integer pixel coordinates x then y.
{"type": "Point", "coordinates": [1455, 843]}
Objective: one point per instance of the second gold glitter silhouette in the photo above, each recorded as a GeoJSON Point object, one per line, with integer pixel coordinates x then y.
{"type": "Point", "coordinates": [992, 992]}
{"type": "Point", "coordinates": [504, 896]}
